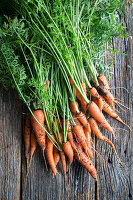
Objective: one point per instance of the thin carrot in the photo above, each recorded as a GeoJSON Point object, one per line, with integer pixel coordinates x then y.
{"type": "Point", "coordinates": [47, 85]}
{"type": "Point", "coordinates": [82, 118]}
{"type": "Point", "coordinates": [63, 161]}
{"type": "Point", "coordinates": [27, 135]}
{"type": "Point", "coordinates": [95, 94]}
{"type": "Point", "coordinates": [33, 144]}
{"type": "Point", "coordinates": [95, 129]}
{"type": "Point", "coordinates": [71, 139]}
{"type": "Point", "coordinates": [39, 131]}
{"type": "Point", "coordinates": [85, 161]}
{"type": "Point", "coordinates": [79, 133]}
{"type": "Point", "coordinates": [49, 153]}
{"type": "Point", "coordinates": [103, 81]}
{"type": "Point", "coordinates": [76, 120]}
{"type": "Point", "coordinates": [67, 148]}
{"type": "Point", "coordinates": [98, 116]}
{"type": "Point", "coordinates": [87, 132]}
{"type": "Point", "coordinates": [56, 155]}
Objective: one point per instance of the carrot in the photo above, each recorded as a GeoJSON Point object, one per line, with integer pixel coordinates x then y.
{"type": "Point", "coordinates": [73, 107]}
{"type": "Point", "coordinates": [56, 155]}
{"type": "Point", "coordinates": [47, 85]}
{"type": "Point", "coordinates": [98, 116]}
{"type": "Point", "coordinates": [87, 132]}
{"type": "Point", "coordinates": [106, 94]}
{"type": "Point", "coordinates": [33, 144]}
{"type": "Point", "coordinates": [95, 95]}
{"type": "Point", "coordinates": [27, 135]}
{"type": "Point", "coordinates": [79, 132]}
{"type": "Point", "coordinates": [49, 153]}
{"type": "Point", "coordinates": [63, 161]}
{"type": "Point", "coordinates": [76, 120]}
{"type": "Point", "coordinates": [71, 139]}
{"type": "Point", "coordinates": [67, 148]}
{"type": "Point", "coordinates": [103, 81]}
{"type": "Point", "coordinates": [83, 120]}
{"type": "Point", "coordinates": [85, 161]}
{"type": "Point", "coordinates": [39, 131]}
{"type": "Point", "coordinates": [95, 129]}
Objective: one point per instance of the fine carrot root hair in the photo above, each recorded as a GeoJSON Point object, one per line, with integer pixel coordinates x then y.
{"type": "Point", "coordinates": [95, 129]}
{"type": "Point", "coordinates": [67, 148]}
{"type": "Point", "coordinates": [98, 116]}
{"type": "Point", "coordinates": [39, 131]}
{"type": "Point", "coordinates": [49, 153]}
{"type": "Point", "coordinates": [85, 161]}
{"type": "Point", "coordinates": [27, 136]}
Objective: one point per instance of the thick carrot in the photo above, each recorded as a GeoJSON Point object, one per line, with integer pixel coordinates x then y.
{"type": "Point", "coordinates": [63, 161]}
{"type": "Point", "coordinates": [39, 131]}
{"type": "Point", "coordinates": [79, 133]}
{"type": "Point", "coordinates": [85, 161]}
{"type": "Point", "coordinates": [95, 95]}
{"type": "Point", "coordinates": [27, 135]}
{"type": "Point", "coordinates": [67, 148]}
{"type": "Point", "coordinates": [33, 144]}
{"type": "Point", "coordinates": [82, 118]}
{"type": "Point", "coordinates": [56, 155]}
{"type": "Point", "coordinates": [98, 116]}
{"type": "Point", "coordinates": [95, 129]}
{"type": "Point", "coordinates": [87, 132]}
{"type": "Point", "coordinates": [106, 94]}
{"type": "Point", "coordinates": [73, 107]}
{"type": "Point", "coordinates": [49, 153]}
{"type": "Point", "coordinates": [103, 81]}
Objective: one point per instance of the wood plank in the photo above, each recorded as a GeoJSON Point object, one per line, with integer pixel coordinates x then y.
{"type": "Point", "coordinates": [10, 145]}
{"type": "Point", "coordinates": [113, 182]}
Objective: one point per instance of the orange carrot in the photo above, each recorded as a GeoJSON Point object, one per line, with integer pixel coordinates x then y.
{"type": "Point", "coordinates": [27, 135]}
{"type": "Point", "coordinates": [71, 139]}
{"type": "Point", "coordinates": [56, 155]}
{"type": "Point", "coordinates": [95, 94]}
{"type": "Point", "coordinates": [67, 148]}
{"type": "Point", "coordinates": [33, 144]}
{"type": "Point", "coordinates": [79, 132]}
{"type": "Point", "coordinates": [106, 94]}
{"type": "Point", "coordinates": [98, 116]}
{"type": "Point", "coordinates": [49, 153]}
{"type": "Point", "coordinates": [85, 161]}
{"type": "Point", "coordinates": [39, 131]}
{"type": "Point", "coordinates": [95, 129]}
{"type": "Point", "coordinates": [63, 161]}
{"type": "Point", "coordinates": [73, 107]}
{"type": "Point", "coordinates": [87, 132]}
{"type": "Point", "coordinates": [83, 120]}
{"type": "Point", "coordinates": [76, 120]}
{"type": "Point", "coordinates": [47, 85]}
{"type": "Point", "coordinates": [103, 81]}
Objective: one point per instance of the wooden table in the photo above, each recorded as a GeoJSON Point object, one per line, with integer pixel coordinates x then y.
{"type": "Point", "coordinates": [113, 182]}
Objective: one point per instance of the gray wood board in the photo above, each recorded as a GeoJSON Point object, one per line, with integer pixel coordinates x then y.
{"type": "Point", "coordinates": [113, 182]}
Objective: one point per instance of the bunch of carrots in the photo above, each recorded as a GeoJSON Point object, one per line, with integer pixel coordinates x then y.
{"type": "Point", "coordinates": [50, 57]}
{"type": "Point", "coordinates": [85, 118]}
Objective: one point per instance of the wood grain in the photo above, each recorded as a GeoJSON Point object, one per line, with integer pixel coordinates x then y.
{"type": "Point", "coordinates": [10, 145]}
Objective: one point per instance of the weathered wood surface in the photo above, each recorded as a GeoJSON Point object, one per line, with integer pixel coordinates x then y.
{"type": "Point", "coordinates": [113, 182]}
